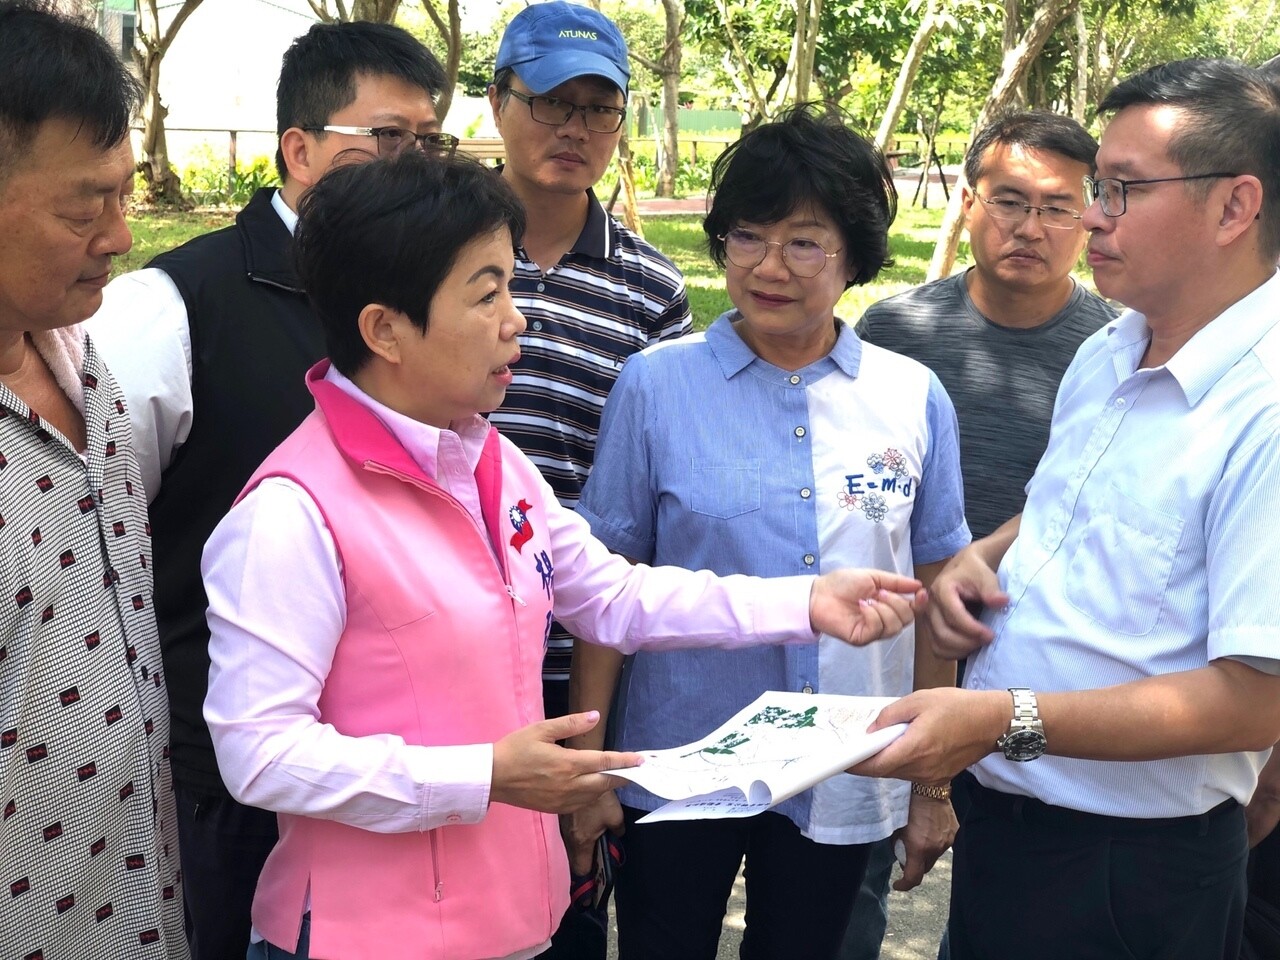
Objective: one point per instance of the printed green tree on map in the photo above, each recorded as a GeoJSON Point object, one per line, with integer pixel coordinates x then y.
{"type": "Point", "coordinates": [773, 716]}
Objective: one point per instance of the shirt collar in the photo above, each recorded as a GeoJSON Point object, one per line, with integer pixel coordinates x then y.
{"type": "Point", "coordinates": [420, 440]}
{"type": "Point", "coordinates": [734, 356]}
{"type": "Point", "coordinates": [1214, 350]}
{"type": "Point", "coordinates": [288, 216]}
{"type": "Point", "coordinates": [596, 238]}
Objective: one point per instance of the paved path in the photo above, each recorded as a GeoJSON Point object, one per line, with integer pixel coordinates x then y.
{"type": "Point", "coordinates": [916, 919]}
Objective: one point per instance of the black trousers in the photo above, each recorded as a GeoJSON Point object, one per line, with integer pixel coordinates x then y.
{"type": "Point", "coordinates": [673, 889]}
{"type": "Point", "coordinates": [1262, 913]}
{"type": "Point", "coordinates": [224, 845]}
{"type": "Point", "coordinates": [1034, 880]}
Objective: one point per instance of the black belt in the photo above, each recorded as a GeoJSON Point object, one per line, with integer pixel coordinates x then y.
{"type": "Point", "coordinates": [1035, 812]}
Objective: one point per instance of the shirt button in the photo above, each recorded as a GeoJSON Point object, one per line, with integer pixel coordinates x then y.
{"type": "Point", "coordinates": [806, 689]}
{"type": "Point", "coordinates": [537, 324]}
{"type": "Point", "coordinates": [808, 559]}
{"type": "Point", "coordinates": [453, 818]}
{"type": "Point", "coordinates": [541, 287]}
{"type": "Point", "coordinates": [805, 493]}
{"type": "Point", "coordinates": [1119, 401]}
{"type": "Point", "coordinates": [800, 431]}
{"type": "Point", "coordinates": [795, 378]}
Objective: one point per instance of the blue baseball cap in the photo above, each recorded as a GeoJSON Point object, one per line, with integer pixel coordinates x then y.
{"type": "Point", "coordinates": [549, 43]}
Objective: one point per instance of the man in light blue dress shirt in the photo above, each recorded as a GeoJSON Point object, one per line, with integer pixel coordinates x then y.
{"type": "Point", "coordinates": [1131, 617]}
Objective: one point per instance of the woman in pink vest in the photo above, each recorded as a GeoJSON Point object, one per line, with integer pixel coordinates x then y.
{"type": "Point", "coordinates": [379, 598]}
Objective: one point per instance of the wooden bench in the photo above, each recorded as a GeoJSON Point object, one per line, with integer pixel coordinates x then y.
{"type": "Point", "coordinates": [483, 148]}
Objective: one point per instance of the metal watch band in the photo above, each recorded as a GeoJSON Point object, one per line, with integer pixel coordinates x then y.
{"type": "Point", "coordinates": [1026, 711]}
{"type": "Point", "coordinates": [1024, 740]}
{"type": "Point", "coordinates": [932, 791]}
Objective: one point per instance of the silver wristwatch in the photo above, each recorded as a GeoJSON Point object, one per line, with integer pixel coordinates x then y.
{"type": "Point", "coordinates": [1024, 739]}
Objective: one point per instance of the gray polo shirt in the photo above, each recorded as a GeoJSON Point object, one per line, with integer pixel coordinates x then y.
{"type": "Point", "coordinates": [1002, 380]}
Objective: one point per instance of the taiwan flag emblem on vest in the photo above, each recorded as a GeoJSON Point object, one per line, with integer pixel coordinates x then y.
{"type": "Point", "coordinates": [519, 516]}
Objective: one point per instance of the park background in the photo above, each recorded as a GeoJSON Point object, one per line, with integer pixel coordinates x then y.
{"type": "Point", "coordinates": [918, 76]}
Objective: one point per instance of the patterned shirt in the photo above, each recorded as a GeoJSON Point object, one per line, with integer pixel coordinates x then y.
{"type": "Point", "coordinates": [88, 844]}
{"type": "Point", "coordinates": [610, 296]}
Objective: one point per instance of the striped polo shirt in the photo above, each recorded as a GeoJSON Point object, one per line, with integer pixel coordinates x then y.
{"type": "Point", "coordinates": [610, 296]}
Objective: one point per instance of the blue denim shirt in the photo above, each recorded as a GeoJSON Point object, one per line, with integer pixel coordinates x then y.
{"type": "Point", "coordinates": [711, 458]}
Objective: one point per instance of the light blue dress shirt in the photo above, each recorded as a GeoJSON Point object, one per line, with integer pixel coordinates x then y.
{"type": "Point", "coordinates": [710, 457]}
{"type": "Point", "coordinates": [1147, 546]}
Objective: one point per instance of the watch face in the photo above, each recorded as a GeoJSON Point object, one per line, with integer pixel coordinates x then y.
{"type": "Point", "coordinates": [1023, 745]}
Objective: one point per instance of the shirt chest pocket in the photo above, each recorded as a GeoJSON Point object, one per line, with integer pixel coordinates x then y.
{"type": "Point", "coordinates": [1121, 567]}
{"type": "Point", "coordinates": [725, 488]}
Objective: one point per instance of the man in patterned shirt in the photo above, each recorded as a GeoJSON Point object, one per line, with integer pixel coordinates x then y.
{"type": "Point", "coordinates": [592, 291]}
{"type": "Point", "coordinates": [88, 850]}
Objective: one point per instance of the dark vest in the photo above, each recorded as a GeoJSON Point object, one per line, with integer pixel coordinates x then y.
{"type": "Point", "coordinates": [253, 337]}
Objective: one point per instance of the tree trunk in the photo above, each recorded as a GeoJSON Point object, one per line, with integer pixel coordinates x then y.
{"type": "Point", "coordinates": [907, 76]}
{"type": "Point", "coordinates": [160, 182]}
{"type": "Point", "coordinates": [741, 71]}
{"type": "Point", "coordinates": [1082, 67]}
{"type": "Point", "coordinates": [1017, 62]}
{"type": "Point", "coordinates": [449, 26]}
{"type": "Point", "coordinates": [672, 54]}
{"type": "Point", "coordinates": [1009, 42]}
{"type": "Point", "coordinates": [627, 177]}
{"type": "Point", "coordinates": [345, 11]}
{"type": "Point", "coordinates": [804, 49]}
{"type": "Point", "coordinates": [630, 215]}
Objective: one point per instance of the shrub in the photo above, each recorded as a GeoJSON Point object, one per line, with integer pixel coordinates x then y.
{"type": "Point", "coordinates": [206, 178]}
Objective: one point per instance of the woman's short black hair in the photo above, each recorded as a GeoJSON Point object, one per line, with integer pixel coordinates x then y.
{"type": "Point", "coordinates": [810, 156]}
{"type": "Point", "coordinates": [388, 231]}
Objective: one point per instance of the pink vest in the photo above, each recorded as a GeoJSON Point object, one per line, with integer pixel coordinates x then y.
{"type": "Point", "coordinates": [435, 651]}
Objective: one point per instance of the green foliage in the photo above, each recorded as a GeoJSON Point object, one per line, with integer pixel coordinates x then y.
{"type": "Point", "coordinates": [207, 179]}
{"type": "Point", "coordinates": [693, 178]}
{"type": "Point", "coordinates": [479, 50]}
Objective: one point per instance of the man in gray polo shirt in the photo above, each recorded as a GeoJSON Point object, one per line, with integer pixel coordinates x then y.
{"type": "Point", "coordinates": [999, 336]}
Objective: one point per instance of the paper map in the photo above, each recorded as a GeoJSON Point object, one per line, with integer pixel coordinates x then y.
{"type": "Point", "coordinates": [769, 751]}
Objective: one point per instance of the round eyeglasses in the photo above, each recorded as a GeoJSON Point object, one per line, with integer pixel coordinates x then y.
{"type": "Point", "coordinates": [803, 257]}
{"type": "Point", "coordinates": [555, 112]}
{"type": "Point", "coordinates": [1016, 211]}
{"type": "Point", "coordinates": [1113, 193]}
{"type": "Point", "coordinates": [393, 140]}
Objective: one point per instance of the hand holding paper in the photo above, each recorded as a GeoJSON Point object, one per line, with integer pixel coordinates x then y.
{"type": "Point", "coordinates": [769, 751]}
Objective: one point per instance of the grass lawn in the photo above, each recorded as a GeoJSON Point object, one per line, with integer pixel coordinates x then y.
{"type": "Point", "coordinates": [154, 233]}
{"type": "Point", "coordinates": [680, 238]}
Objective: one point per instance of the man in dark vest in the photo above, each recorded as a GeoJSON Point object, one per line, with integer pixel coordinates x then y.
{"type": "Point", "coordinates": [210, 343]}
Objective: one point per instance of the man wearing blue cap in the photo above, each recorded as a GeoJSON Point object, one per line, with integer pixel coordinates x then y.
{"type": "Point", "coordinates": [593, 294]}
